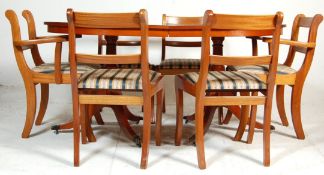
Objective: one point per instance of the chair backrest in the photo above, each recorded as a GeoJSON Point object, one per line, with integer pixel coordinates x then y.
{"type": "Point", "coordinates": [179, 21]}
{"type": "Point", "coordinates": [111, 44]}
{"type": "Point", "coordinates": [20, 45]}
{"type": "Point", "coordinates": [32, 35]}
{"type": "Point", "coordinates": [96, 24]}
{"type": "Point", "coordinates": [263, 24]}
{"type": "Point", "coordinates": [312, 23]}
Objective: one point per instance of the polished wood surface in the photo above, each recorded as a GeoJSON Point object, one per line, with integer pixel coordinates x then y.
{"type": "Point", "coordinates": [296, 80]}
{"type": "Point", "coordinates": [30, 77]}
{"type": "Point", "coordinates": [260, 25]}
{"type": "Point", "coordinates": [83, 97]}
{"type": "Point", "coordinates": [157, 30]}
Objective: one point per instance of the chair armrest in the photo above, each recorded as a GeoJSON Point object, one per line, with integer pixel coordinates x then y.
{"type": "Point", "coordinates": [38, 41]}
{"type": "Point", "coordinates": [66, 37]}
{"type": "Point", "coordinates": [292, 43]}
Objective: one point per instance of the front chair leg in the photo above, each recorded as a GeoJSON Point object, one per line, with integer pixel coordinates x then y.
{"type": "Point", "coordinates": [146, 131]}
{"type": "Point", "coordinates": [43, 103]}
{"type": "Point", "coordinates": [199, 116]}
{"type": "Point", "coordinates": [295, 111]}
{"type": "Point", "coordinates": [159, 111]}
{"type": "Point", "coordinates": [31, 109]}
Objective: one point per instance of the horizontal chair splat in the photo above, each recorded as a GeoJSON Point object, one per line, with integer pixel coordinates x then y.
{"type": "Point", "coordinates": [233, 100]}
{"type": "Point", "coordinates": [111, 99]}
{"type": "Point", "coordinates": [239, 60]}
{"type": "Point", "coordinates": [109, 59]}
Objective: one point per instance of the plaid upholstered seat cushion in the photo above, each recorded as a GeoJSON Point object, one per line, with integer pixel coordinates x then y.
{"type": "Point", "coordinates": [223, 80]}
{"type": "Point", "coordinates": [124, 79]}
{"type": "Point", "coordinates": [133, 66]}
{"type": "Point", "coordinates": [177, 63]}
{"type": "Point", "coordinates": [48, 68]}
{"type": "Point", "coordinates": [263, 69]}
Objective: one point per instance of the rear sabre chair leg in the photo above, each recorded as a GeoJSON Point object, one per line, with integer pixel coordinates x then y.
{"type": "Point", "coordinates": [179, 115]}
{"type": "Point", "coordinates": [159, 111]}
{"type": "Point", "coordinates": [280, 97]}
{"type": "Point", "coordinates": [43, 103]}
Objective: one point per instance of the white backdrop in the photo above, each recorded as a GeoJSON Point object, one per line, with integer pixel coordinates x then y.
{"type": "Point", "coordinates": [46, 10]}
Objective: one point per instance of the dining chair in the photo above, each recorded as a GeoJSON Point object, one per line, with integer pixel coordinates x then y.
{"type": "Point", "coordinates": [173, 66]}
{"type": "Point", "coordinates": [42, 73]}
{"type": "Point", "coordinates": [199, 83]}
{"type": "Point", "coordinates": [170, 66]}
{"type": "Point", "coordinates": [86, 89]}
{"type": "Point", "coordinates": [286, 74]}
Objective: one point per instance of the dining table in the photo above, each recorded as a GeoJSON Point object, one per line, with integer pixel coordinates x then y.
{"type": "Point", "coordinates": [111, 36]}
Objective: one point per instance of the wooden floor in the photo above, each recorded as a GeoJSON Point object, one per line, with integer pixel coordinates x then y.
{"type": "Point", "coordinates": [47, 153]}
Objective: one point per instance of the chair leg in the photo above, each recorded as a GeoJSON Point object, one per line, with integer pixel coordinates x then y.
{"type": "Point", "coordinates": [83, 124]}
{"type": "Point", "coordinates": [295, 111]}
{"type": "Point", "coordinates": [280, 97]}
{"type": "Point", "coordinates": [159, 111]}
{"type": "Point", "coordinates": [146, 131]}
{"type": "Point", "coordinates": [97, 115]}
{"type": "Point", "coordinates": [243, 122]}
{"type": "Point", "coordinates": [179, 115]}
{"type": "Point", "coordinates": [266, 133]}
{"type": "Point", "coordinates": [163, 106]}
{"type": "Point", "coordinates": [153, 119]}
{"type": "Point", "coordinates": [252, 124]}
{"type": "Point", "coordinates": [43, 103]}
{"type": "Point", "coordinates": [252, 121]}
{"type": "Point", "coordinates": [220, 115]}
{"type": "Point", "coordinates": [90, 111]}
{"type": "Point", "coordinates": [31, 109]}
{"type": "Point", "coordinates": [228, 117]}
{"type": "Point", "coordinates": [199, 116]}
{"type": "Point", "coordinates": [76, 133]}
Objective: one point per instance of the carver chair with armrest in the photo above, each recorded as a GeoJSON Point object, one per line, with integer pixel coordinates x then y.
{"type": "Point", "coordinates": [199, 83]}
{"type": "Point", "coordinates": [286, 75]}
{"type": "Point", "coordinates": [86, 89]}
{"type": "Point", "coordinates": [42, 73]}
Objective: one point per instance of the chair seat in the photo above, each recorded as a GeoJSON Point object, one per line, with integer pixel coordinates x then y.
{"type": "Point", "coordinates": [123, 79]}
{"type": "Point", "coordinates": [263, 69]}
{"type": "Point", "coordinates": [133, 66]}
{"type": "Point", "coordinates": [48, 68]}
{"type": "Point", "coordinates": [177, 63]}
{"type": "Point", "coordinates": [228, 80]}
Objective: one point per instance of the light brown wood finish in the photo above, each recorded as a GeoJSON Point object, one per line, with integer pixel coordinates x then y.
{"type": "Point", "coordinates": [260, 24]}
{"type": "Point", "coordinates": [30, 77]}
{"type": "Point", "coordinates": [296, 80]}
{"type": "Point", "coordinates": [136, 21]}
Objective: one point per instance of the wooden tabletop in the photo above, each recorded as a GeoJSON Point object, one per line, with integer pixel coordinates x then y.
{"type": "Point", "coordinates": [154, 31]}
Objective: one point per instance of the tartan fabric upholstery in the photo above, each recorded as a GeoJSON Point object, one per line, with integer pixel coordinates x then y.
{"type": "Point", "coordinates": [228, 80]}
{"type": "Point", "coordinates": [48, 68]}
{"type": "Point", "coordinates": [179, 63]}
{"type": "Point", "coordinates": [124, 79]}
{"type": "Point", "coordinates": [133, 66]}
{"type": "Point", "coordinates": [263, 69]}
